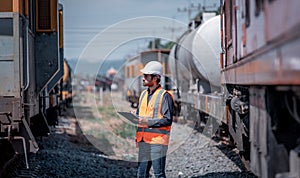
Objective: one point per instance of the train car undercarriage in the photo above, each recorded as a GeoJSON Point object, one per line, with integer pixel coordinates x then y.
{"type": "Point", "coordinates": [262, 121]}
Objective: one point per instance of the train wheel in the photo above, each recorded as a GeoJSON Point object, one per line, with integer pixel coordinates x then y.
{"type": "Point", "coordinates": [273, 132]}
{"type": "Point", "coordinates": [7, 152]}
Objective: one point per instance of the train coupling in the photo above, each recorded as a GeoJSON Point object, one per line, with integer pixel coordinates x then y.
{"type": "Point", "coordinates": [239, 102]}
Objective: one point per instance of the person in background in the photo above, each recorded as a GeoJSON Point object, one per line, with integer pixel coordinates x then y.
{"type": "Point", "coordinates": [155, 119]}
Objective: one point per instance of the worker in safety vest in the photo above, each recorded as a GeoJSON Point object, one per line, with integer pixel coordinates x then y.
{"type": "Point", "coordinates": [155, 119]}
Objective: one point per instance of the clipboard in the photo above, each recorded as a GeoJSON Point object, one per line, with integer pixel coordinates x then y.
{"type": "Point", "coordinates": [131, 117]}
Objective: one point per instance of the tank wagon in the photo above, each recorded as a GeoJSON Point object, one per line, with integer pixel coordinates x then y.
{"type": "Point", "coordinates": [31, 71]}
{"type": "Point", "coordinates": [249, 82]}
{"type": "Point", "coordinates": [194, 59]}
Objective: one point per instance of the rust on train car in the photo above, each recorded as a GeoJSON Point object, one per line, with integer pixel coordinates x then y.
{"type": "Point", "coordinates": [261, 69]}
{"type": "Point", "coordinates": [264, 51]}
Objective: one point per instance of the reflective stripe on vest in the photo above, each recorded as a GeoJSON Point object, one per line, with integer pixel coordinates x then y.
{"type": "Point", "coordinates": [152, 109]}
{"type": "Point", "coordinates": [153, 130]}
{"type": "Point", "coordinates": [157, 102]}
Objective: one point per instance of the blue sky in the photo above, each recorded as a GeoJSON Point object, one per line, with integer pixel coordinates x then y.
{"type": "Point", "coordinates": [109, 21]}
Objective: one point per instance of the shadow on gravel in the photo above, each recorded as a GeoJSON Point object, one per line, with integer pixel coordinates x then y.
{"type": "Point", "coordinates": [226, 175]}
{"type": "Point", "coordinates": [7, 152]}
{"type": "Point", "coordinates": [228, 150]}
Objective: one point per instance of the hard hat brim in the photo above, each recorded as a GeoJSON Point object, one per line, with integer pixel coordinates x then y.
{"type": "Point", "coordinates": [150, 72]}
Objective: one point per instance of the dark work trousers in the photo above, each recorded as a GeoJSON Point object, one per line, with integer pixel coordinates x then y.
{"type": "Point", "coordinates": [151, 155]}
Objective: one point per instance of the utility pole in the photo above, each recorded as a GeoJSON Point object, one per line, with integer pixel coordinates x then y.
{"type": "Point", "coordinates": [173, 29]}
{"type": "Point", "coordinates": [192, 7]}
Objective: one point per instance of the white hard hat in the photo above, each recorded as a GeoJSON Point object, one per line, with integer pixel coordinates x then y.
{"type": "Point", "coordinates": [153, 67]}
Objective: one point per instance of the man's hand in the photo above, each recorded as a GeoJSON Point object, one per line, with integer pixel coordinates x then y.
{"type": "Point", "coordinates": [133, 111]}
{"type": "Point", "coordinates": [143, 121]}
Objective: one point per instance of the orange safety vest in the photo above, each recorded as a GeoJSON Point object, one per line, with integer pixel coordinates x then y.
{"type": "Point", "coordinates": [160, 135]}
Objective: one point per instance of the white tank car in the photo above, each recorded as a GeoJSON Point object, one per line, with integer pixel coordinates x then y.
{"type": "Point", "coordinates": [197, 53]}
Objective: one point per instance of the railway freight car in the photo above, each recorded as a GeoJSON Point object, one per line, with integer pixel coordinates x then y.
{"type": "Point", "coordinates": [260, 69]}
{"type": "Point", "coordinates": [253, 86]}
{"type": "Point", "coordinates": [194, 65]}
{"type": "Point", "coordinates": [31, 68]}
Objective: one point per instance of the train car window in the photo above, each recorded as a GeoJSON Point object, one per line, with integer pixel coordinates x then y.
{"type": "Point", "coordinates": [258, 7]}
{"type": "Point", "coordinates": [228, 13]}
{"type": "Point", "coordinates": [132, 71]}
{"type": "Point", "coordinates": [127, 72]}
{"type": "Point", "coordinates": [247, 5]}
{"type": "Point", "coordinates": [242, 12]}
{"type": "Point", "coordinates": [46, 12]}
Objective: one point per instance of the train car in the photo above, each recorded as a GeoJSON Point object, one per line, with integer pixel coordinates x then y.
{"type": "Point", "coordinates": [258, 96]}
{"type": "Point", "coordinates": [195, 67]}
{"type": "Point", "coordinates": [31, 67]}
{"type": "Point", "coordinates": [195, 58]}
{"type": "Point", "coordinates": [66, 86]}
{"type": "Point", "coordinates": [260, 69]}
{"type": "Point", "coordinates": [133, 76]}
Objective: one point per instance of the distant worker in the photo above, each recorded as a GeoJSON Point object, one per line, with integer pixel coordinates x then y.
{"type": "Point", "coordinates": [155, 120]}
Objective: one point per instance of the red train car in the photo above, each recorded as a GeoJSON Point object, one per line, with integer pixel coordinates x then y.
{"type": "Point", "coordinates": [260, 69]}
{"type": "Point", "coordinates": [257, 93]}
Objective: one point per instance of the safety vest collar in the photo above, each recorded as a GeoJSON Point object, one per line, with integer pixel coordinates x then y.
{"type": "Point", "coordinates": [158, 87]}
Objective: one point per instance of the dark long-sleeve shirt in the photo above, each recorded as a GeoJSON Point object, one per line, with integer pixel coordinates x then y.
{"type": "Point", "coordinates": [166, 108]}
